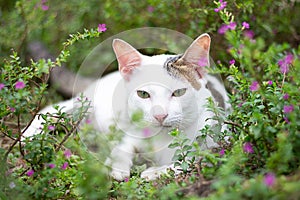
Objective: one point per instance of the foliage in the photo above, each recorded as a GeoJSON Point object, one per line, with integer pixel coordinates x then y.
{"type": "Point", "coordinates": [258, 154]}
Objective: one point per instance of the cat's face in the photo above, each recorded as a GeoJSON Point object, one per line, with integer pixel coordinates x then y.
{"type": "Point", "coordinates": [164, 100]}
{"type": "Point", "coordinates": [165, 94]}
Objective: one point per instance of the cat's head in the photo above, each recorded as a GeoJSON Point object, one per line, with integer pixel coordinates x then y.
{"type": "Point", "coordinates": [164, 87]}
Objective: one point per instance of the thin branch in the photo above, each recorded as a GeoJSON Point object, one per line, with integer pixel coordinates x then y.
{"type": "Point", "coordinates": [235, 124]}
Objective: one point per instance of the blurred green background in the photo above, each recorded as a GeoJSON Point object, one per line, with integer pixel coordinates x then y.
{"type": "Point", "coordinates": [51, 22]}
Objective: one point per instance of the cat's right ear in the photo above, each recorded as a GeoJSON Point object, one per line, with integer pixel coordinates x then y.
{"type": "Point", "coordinates": [128, 57]}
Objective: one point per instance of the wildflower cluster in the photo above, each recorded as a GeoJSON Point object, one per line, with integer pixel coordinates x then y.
{"type": "Point", "coordinates": [265, 109]}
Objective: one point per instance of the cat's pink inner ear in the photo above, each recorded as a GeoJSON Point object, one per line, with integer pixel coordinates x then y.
{"type": "Point", "coordinates": [128, 57]}
{"type": "Point", "coordinates": [198, 53]}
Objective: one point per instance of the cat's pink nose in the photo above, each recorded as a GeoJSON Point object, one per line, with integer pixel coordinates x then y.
{"type": "Point", "coordinates": [160, 118]}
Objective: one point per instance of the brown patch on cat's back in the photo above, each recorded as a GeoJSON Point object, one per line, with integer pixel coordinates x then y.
{"type": "Point", "coordinates": [179, 68]}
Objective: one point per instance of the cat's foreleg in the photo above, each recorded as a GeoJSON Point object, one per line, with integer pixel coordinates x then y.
{"type": "Point", "coordinates": [153, 173]}
{"type": "Point", "coordinates": [121, 159]}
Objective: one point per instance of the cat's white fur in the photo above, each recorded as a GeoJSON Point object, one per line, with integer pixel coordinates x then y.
{"type": "Point", "coordinates": [114, 100]}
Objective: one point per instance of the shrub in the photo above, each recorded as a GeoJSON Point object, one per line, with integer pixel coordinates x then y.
{"type": "Point", "coordinates": [260, 64]}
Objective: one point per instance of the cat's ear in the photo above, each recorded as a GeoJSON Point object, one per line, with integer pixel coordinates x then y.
{"type": "Point", "coordinates": [128, 57]}
{"type": "Point", "coordinates": [198, 53]}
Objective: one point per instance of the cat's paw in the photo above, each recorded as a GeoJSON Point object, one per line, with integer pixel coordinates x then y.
{"type": "Point", "coordinates": [120, 175]}
{"type": "Point", "coordinates": [153, 173]}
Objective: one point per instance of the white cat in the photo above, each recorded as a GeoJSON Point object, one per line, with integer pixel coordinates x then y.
{"type": "Point", "coordinates": [170, 91]}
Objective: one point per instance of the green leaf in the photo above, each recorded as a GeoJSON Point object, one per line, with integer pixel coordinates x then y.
{"type": "Point", "coordinates": [186, 148]}
{"type": "Point", "coordinates": [173, 145]}
{"type": "Point", "coordinates": [184, 166]}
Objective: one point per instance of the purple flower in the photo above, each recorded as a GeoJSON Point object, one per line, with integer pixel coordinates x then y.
{"type": "Point", "coordinates": [102, 28]}
{"type": "Point", "coordinates": [232, 62]}
{"type": "Point", "coordinates": [221, 7]}
{"type": "Point", "coordinates": [30, 172]}
{"type": "Point", "coordinates": [88, 121]}
{"type": "Point", "coordinates": [44, 7]}
{"type": "Point", "coordinates": [286, 96]}
{"type": "Point", "coordinates": [254, 86]}
{"type": "Point", "coordinates": [67, 153]}
{"type": "Point", "coordinates": [245, 25]}
{"type": "Point", "coordinates": [64, 166]}
{"type": "Point", "coordinates": [203, 62]}
{"type": "Point", "coordinates": [248, 148]}
{"type": "Point", "coordinates": [2, 86]}
{"type": "Point", "coordinates": [19, 85]}
{"type": "Point", "coordinates": [285, 62]}
{"type": "Point", "coordinates": [231, 26]}
{"type": "Point", "coordinates": [51, 165]}
{"type": "Point", "coordinates": [249, 34]}
{"type": "Point", "coordinates": [146, 132]}
{"type": "Point", "coordinates": [51, 128]}
{"type": "Point", "coordinates": [269, 179]}
{"type": "Point", "coordinates": [270, 82]}
{"type": "Point", "coordinates": [126, 179]}
{"type": "Point", "coordinates": [222, 152]}
{"type": "Point", "coordinates": [223, 29]}
{"type": "Point", "coordinates": [12, 109]}
{"type": "Point", "coordinates": [286, 120]}
{"type": "Point", "coordinates": [288, 109]}
{"type": "Point", "coordinates": [150, 9]}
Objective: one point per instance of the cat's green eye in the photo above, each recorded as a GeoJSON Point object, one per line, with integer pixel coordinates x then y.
{"type": "Point", "coordinates": [143, 94]}
{"type": "Point", "coordinates": [179, 92]}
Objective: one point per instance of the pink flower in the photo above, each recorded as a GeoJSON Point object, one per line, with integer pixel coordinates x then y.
{"type": "Point", "coordinates": [2, 86]}
{"type": "Point", "coordinates": [245, 25]}
{"type": "Point", "coordinates": [269, 179]}
{"type": "Point", "coordinates": [12, 109]}
{"type": "Point", "coordinates": [43, 6]}
{"type": "Point", "coordinates": [249, 34]}
{"type": "Point", "coordinates": [67, 153]}
{"type": "Point", "coordinates": [64, 166]}
{"type": "Point", "coordinates": [222, 152]}
{"type": "Point", "coordinates": [270, 82]}
{"type": "Point", "coordinates": [285, 62]}
{"type": "Point", "coordinates": [102, 28]}
{"type": "Point", "coordinates": [223, 29]}
{"type": "Point", "coordinates": [232, 62]}
{"type": "Point", "coordinates": [254, 86]}
{"type": "Point", "coordinates": [19, 85]}
{"type": "Point", "coordinates": [51, 128]}
{"type": "Point", "coordinates": [30, 172]}
{"type": "Point", "coordinates": [286, 120]}
{"type": "Point", "coordinates": [88, 121]}
{"type": "Point", "coordinates": [126, 179]}
{"type": "Point", "coordinates": [203, 62]}
{"type": "Point", "coordinates": [146, 132]}
{"type": "Point", "coordinates": [51, 165]}
{"type": "Point", "coordinates": [286, 96]}
{"type": "Point", "coordinates": [232, 25]}
{"type": "Point", "coordinates": [248, 148]}
{"type": "Point", "coordinates": [150, 9]}
{"type": "Point", "coordinates": [288, 109]}
{"type": "Point", "coordinates": [221, 7]}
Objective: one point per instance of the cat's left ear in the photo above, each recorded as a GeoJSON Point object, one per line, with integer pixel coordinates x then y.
{"type": "Point", "coordinates": [128, 57]}
{"type": "Point", "coordinates": [198, 53]}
